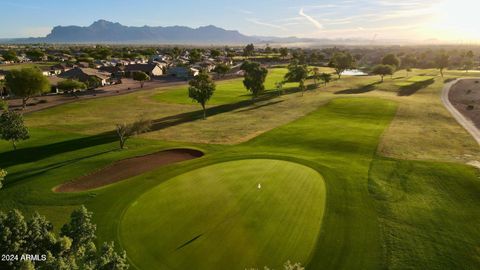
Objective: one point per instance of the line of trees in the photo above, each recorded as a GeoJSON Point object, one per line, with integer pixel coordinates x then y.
{"type": "Point", "coordinates": [72, 248]}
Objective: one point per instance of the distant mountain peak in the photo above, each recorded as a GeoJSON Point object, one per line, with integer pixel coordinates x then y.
{"type": "Point", "coordinates": [103, 31]}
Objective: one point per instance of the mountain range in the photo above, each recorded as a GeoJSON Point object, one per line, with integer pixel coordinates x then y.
{"type": "Point", "coordinates": [103, 31]}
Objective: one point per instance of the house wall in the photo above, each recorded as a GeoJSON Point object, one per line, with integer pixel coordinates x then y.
{"type": "Point", "coordinates": [157, 71]}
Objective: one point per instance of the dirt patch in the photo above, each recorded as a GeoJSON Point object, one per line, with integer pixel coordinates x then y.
{"type": "Point", "coordinates": [128, 168]}
{"type": "Point", "coordinates": [465, 97]}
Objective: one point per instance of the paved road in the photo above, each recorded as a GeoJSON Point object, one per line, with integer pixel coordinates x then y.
{"type": "Point", "coordinates": [466, 123]}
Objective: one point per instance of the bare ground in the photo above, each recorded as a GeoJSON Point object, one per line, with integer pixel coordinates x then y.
{"type": "Point", "coordinates": [128, 168]}
{"type": "Point", "coordinates": [465, 97]}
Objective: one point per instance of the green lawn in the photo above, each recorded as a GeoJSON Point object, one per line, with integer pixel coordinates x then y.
{"type": "Point", "coordinates": [26, 65]}
{"type": "Point", "coordinates": [228, 91]}
{"type": "Point", "coordinates": [396, 195]}
{"type": "Point", "coordinates": [226, 221]}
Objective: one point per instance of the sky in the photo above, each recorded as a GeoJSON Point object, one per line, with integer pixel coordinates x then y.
{"type": "Point", "coordinates": [415, 20]}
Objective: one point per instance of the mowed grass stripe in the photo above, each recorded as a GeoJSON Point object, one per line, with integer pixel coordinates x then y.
{"type": "Point", "coordinates": [226, 221]}
{"type": "Point", "coordinates": [340, 139]}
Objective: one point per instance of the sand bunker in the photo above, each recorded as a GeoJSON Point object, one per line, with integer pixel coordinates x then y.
{"type": "Point", "coordinates": [128, 168]}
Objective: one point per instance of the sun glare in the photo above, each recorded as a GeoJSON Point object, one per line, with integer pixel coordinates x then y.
{"type": "Point", "coordinates": [458, 20]}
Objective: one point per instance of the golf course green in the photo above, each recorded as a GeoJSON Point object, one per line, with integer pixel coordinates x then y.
{"type": "Point", "coordinates": [252, 212]}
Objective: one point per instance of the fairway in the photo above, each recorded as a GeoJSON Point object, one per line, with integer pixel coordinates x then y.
{"type": "Point", "coordinates": [231, 215]}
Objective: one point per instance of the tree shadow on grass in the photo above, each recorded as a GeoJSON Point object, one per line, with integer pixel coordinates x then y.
{"type": "Point", "coordinates": [182, 118]}
{"type": "Point", "coordinates": [259, 106]}
{"type": "Point", "coordinates": [360, 90]}
{"type": "Point", "coordinates": [409, 90]}
{"type": "Point", "coordinates": [19, 176]}
{"type": "Point", "coordinates": [32, 154]}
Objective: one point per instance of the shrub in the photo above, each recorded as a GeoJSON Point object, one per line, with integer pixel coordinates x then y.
{"type": "Point", "coordinates": [3, 173]}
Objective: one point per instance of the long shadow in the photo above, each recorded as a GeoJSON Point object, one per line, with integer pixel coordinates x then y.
{"type": "Point", "coordinates": [32, 154]}
{"type": "Point", "coordinates": [17, 177]}
{"type": "Point", "coordinates": [182, 118]}
{"type": "Point", "coordinates": [359, 90]}
{"type": "Point", "coordinates": [414, 87]}
{"type": "Point", "coordinates": [259, 106]}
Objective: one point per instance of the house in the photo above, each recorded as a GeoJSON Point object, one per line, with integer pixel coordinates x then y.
{"type": "Point", "coordinates": [206, 65]}
{"type": "Point", "coordinates": [50, 71]}
{"type": "Point", "coordinates": [83, 64]}
{"type": "Point", "coordinates": [85, 75]}
{"type": "Point", "coordinates": [3, 74]}
{"type": "Point", "coordinates": [54, 80]}
{"type": "Point", "coordinates": [150, 69]}
{"type": "Point", "coordinates": [115, 71]}
{"type": "Point", "coordinates": [183, 72]}
{"type": "Point", "coordinates": [63, 67]}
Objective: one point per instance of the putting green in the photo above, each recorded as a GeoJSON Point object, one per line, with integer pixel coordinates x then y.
{"type": "Point", "coordinates": [231, 215]}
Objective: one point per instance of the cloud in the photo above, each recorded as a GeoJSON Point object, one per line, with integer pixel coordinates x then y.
{"type": "Point", "coordinates": [255, 21]}
{"type": "Point", "coordinates": [316, 23]}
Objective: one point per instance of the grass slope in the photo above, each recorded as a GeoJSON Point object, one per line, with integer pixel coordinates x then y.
{"type": "Point", "coordinates": [380, 212]}
{"type": "Point", "coordinates": [217, 217]}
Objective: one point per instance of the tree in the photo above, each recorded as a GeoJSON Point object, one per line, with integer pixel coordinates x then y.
{"type": "Point", "coordinates": [268, 49]}
{"type": "Point", "coordinates": [279, 87]}
{"type": "Point", "coordinates": [19, 236]}
{"type": "Point", "coordinates": [408, 70]}
{"type": "Point", "coordinates": [27, 82]}
{"type": "Point", "coordinates": [315, 74]}
{"type": "Point", "coordinates": [35, 54]}
{"type": "Point", "coordinates": [383, 70]}
{"type": "Point", "coordinates": [254, 79]}
{"type": "Point", "coordinates": [13, 229]}
{"type": "Point", "coordinates": [201, 90]}
{"type": "Point", "coordinates": [195, 56]}
{"type": "Point", "coordinates": [222, 69]}
{"type": "Point", "coordinates": [10, 56]}
{"type": "Point", "coordinates": [12, 128]}
{"type": "Point", "coordinates": [93, 82]}
{"type": "Point", "coordinates": [341, 61]}
{"type": "Point", "coordinates": [325, 77]}
{"type": "Point", "coordinates": [297, 73]}
{"type": "Point", "coordinates": [283, 53]}
{"type": "Point", "coordinates": [249, 50]}
{"type": "Point", "coordinates": [3, 105]}
{"type": "Point", "coordinates": [442, 61]}
{"type": "Point", "coordinates": [141, 77]}
{"type": "Point", "coordinates": [391, 60]}
{"type": "Point", "coordinates": [3, 173]}
{"type": "Point", "coordinates": [126, 131]}
{"type": "Point", "coordinates": [109, 259]}
{"type": "Point", "coordinates": [2, 88]}
{"type": "Point", "coordinates": [214, 53]}
{"type": "Point", "coordinates": [71, 85]}
{"type": "Point", "coordinates": [40, 236]}
{"type": "Point", "coordinates": [176, 52]}
{"type": "Point", "coordinates": [467, 61]}
{"type": "Point", "coordinates": [80, 228]}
